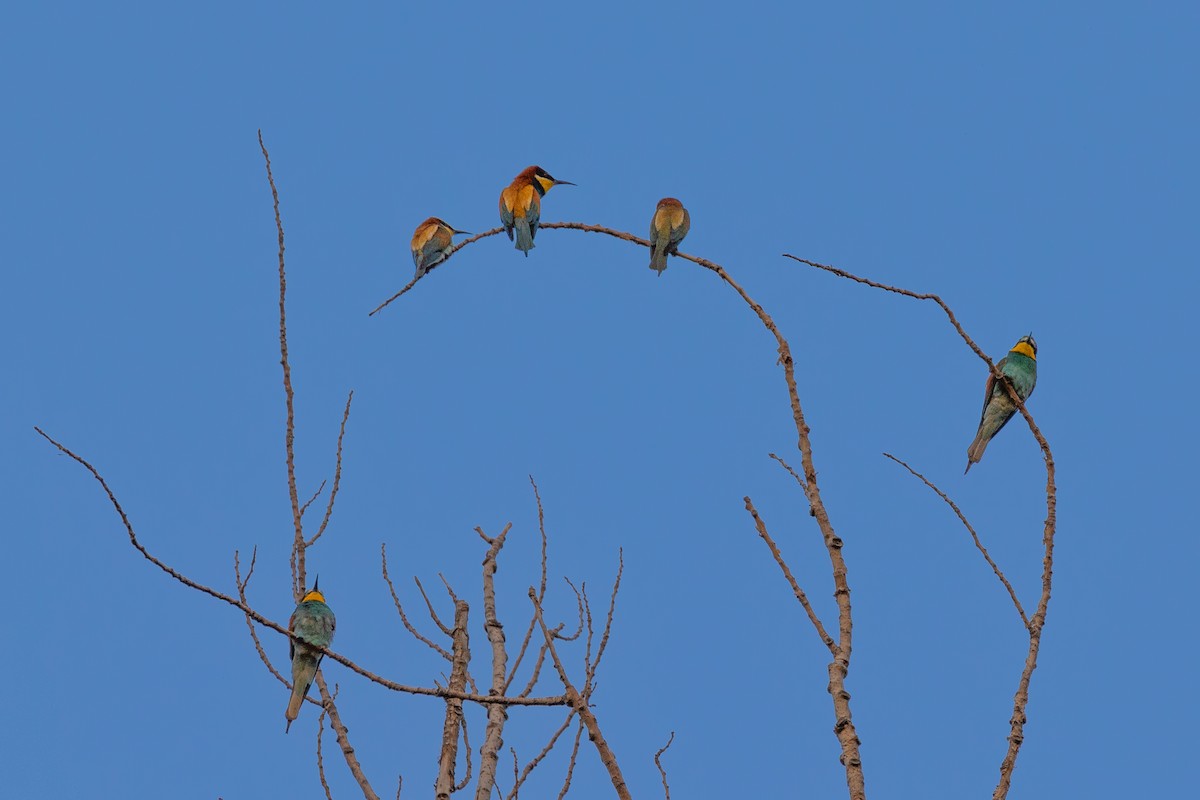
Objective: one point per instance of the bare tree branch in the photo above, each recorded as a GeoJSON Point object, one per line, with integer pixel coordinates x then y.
{"type": "Point", "coordinates": [267, 623]}
{"type": "Point", "coordinates": [787, 573]}
{"type": "Point", "coordinates": [541, 596]}
{"type": "Point", "coordinates": [343, 739]}
{"type": "Point", "coordinates": [444, 785]}
{"type": "Point", "coordinates": [571, 761]}
{"type": "Point", "coordinates": [581, 708]}
{"type": "Point", "coordinates": [320, 758]}
{"type": "Point", "coordinates": [337, 476]}
{"type": "Point", "coordinates": [532, 765]}
{"type": "Point", "coordinates": [432, 614]}
{"type": "Point", "coordinates": [310, 500]}
{"type": "Point", "coordinates": [661, 771]}
{"type": "Point", "coordinates": [298, 577]}
{"type": "Point", "coordinates": [400, 609]}
{"type": "Point", "coordinates": [241, 586]}
{"type": "Point", "coordinates": [978, 544]}
{"type": "Point", "coordinates": [467, 752]}
{"type": "Point", "coordinates": [493, 738]}
{"type": "Point", "coordinates": [608, 619]}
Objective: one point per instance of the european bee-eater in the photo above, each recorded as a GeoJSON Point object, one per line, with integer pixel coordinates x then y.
{"type": "Point", "coordinates": [521, 205]}
{"type": "Point", "coordinates": [670, 224]}
{"type": "Point", "coordinates": [1020, 366]}
{"type": "Point", "coordinates": [312, 623]}
{"type": "Point", "coordinates": [431, 244]}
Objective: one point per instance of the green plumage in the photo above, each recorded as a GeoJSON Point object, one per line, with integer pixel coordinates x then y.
{"type": "Point", "coordinates": [312, 623]}
{"type": "Point", "coordinates": [998, 408]}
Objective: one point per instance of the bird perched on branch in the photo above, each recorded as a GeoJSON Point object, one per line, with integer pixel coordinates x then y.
{"type": "Point", "coordinates": [1020, 367]}
{"type": "Point", "coordinates": [431, 243]}
{"type": "Point", "coordinates": [312, 625]}
{"type": "Point", "coordinates": [521, 205]}
{"type": "Point", "coordinates": [670, 224]}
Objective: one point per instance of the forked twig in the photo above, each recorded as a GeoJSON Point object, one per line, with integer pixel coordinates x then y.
{"type": "Point", "coordinates": [579, 703]}
{"type": "Point", "coordinates": [787, 574]}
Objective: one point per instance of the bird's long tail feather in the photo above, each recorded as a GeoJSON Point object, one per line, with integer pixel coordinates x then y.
{"type": "Point", "coordinates": [524, 235]}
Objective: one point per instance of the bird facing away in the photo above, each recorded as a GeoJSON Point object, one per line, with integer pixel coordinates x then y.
{"type": "Point", "coordinates": [1020, 366]}
{"type": "Point", "coordinates": [312, 623]}
{"type": "Point", "coordinates": [670, 224]}
{"type": "Point", "coordinates": [431, 243]}
{"type": "Point", "coordinates": [521, 205]}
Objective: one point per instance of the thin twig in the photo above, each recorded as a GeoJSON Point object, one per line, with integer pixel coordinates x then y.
{"type": "Point", "coordinates": [538, 758]}
{"type": "Point", "coordinates": [978, 544]}
{"type": "Point", "coordinates": [337, 475]}
{"type": "Point", "coordinates": [400, 609]}
{"type": "Point", "coordinates": [241, 587]}
{"type": "Point", "coordinates": [458, 787]}
{"type": "Point", "coordinates": [310, 500]}
{"type": "Point", "coordinates": [297, 561]}
{"type": "Point", "coordinates": [787, 573]}
{"type": "Point", "coordinates": [541, 596]}
{"type": "Point", "coordinates": [571, 761]}
{"type": "Point", "coordinates": [612, 605]}
{"type": "Point", "coordinates": [661, 771]}
{"type": "Point", "coordinates": [432, 614]}
{"type": "Point", "coordinates": [320, 759]}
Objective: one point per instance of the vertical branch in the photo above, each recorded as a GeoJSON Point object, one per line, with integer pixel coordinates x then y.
{"type": "Point", "coordinates": [658, 763]}
{"type": "Point", "coordinates": [1016, 734]}
{"type": "Point", "coordinates": [343, 739]}
{"type": "Point", "coordinates": [444, 785]}
{"type": "Point", "coordinates": [497, 713]}
{"type": "Point", "coordinates": [289, 439]}
{"type": "Point", "coordinates": [579, 703]}
{"type": "Point", "coordinates": [839, 667]}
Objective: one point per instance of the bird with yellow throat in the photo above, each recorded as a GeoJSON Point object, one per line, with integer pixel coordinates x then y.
{"type": "Point", "coordinates": [312, 625]}
{"type": "Point", "coordinates": [521, 205]}
{"type": "Point", "coordinates": [1020, 367]}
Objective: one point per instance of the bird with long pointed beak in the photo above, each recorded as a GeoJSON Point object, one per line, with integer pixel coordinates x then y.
{"type": "Point", "coordinates": [1020, 367]}
{"type": "Point", "coordinates": [521, 205]}
{"type": "Point", "coordinates": [432, 242]}
{"type": "Point", "coordinates": [671, 222]}
{"type": "Point", "coordinates": [312, 625]}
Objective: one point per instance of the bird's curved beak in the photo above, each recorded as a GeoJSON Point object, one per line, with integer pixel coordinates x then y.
{"type": "Point", "coordinates": [456, 233]}
{"type": "Point", "coordinates": [564, 183]}
{"type": "Point", "coordinates": [317, 584]}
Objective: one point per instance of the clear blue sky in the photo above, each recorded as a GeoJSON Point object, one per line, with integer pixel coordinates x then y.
{"type": "Point", "coordinates": [1036, 167]}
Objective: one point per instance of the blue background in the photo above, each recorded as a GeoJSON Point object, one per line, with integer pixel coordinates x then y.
{"type": "Point", "coordinates": [1034, 166]}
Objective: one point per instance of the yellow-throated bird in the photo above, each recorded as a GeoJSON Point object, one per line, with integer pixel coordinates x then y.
{"type": "Point", "coordinates": [670, 224]}
{"type": "Point", "coordinates": [1020, 367]}
{"type": "Point", "coordinates": [312, 624]}
{"type": "Point", "coordinates": [431, 243]}
{"type": "Point", "coordinates": [521, 204]}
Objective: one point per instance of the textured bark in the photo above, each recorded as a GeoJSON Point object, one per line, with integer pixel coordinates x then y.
{"type": "Point", "coordinates": [454, 714]}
